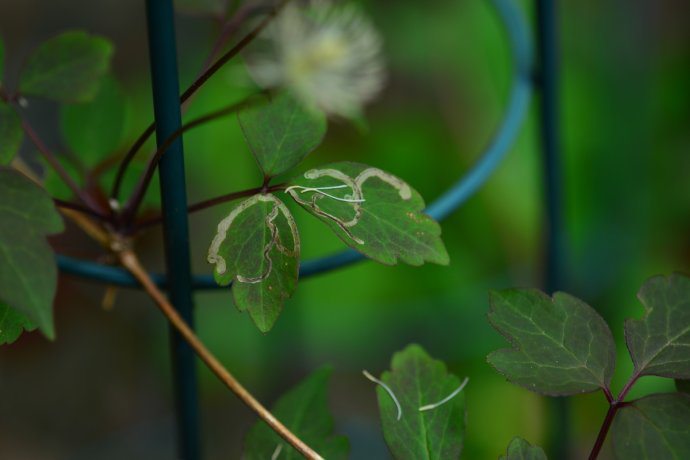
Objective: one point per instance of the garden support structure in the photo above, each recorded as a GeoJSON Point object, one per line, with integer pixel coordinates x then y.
{"type": "Point", "coordinates": [178, 279]}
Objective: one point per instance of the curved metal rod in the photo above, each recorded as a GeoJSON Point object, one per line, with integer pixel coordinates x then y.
{"type": "Point", "coordinates": [459, 193]}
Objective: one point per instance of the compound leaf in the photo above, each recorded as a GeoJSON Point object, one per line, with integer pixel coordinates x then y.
{"type": "Point", "coordinates": [561, 346]}
{"type": "Point", "coordinates": [519, 449]}
{"type": "Point", "coordinates": [10, 133]}
{"type": "Point", "coordinates": [417, 380]}
{"type": "Point", "coordinates": [67, 68]}
{"type": "Point", "coordinates": [257, 248]}
{"type": "Point", "coordinates": [281, 132]}
{"type": "Point", "coordinates": [304, 410]}
{"type": "Point", "coordinates": [28, 275]}
{"type": "Point", "coordinates": [657, 426]}
{"type": "Point", "coordinates": [94, 129]}
{"type": "Point", "coordinates": [12, 323]}
{"type": "Point", "coordinates": [372, 211]}
{"type": "Point", "coordinates": [659, 343]}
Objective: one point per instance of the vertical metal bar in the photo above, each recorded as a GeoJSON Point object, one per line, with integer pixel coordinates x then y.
{"type": "Point", "coordinates": [166, 100]}
{"type": "Point", "coordinates": [548, 77]}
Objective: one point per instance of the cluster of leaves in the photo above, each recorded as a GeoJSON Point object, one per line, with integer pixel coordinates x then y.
{"type": "Point", "coordinates": [257, 246]}
{"type": "Point", "coordinates": [562, 347]}
{"type": "Point", "coordinates": [67, 69]}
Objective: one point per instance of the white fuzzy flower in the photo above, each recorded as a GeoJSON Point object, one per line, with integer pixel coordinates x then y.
{"type": "Point", "coordinates": [328, 56]}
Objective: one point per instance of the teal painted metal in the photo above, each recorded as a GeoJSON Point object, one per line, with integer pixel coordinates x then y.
{"type": "Point", "coordinates": [166, 102]}
{"type": "Point", "coordinates": [518, 104]}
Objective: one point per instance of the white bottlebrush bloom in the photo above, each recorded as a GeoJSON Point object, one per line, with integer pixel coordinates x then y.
{"type": "Point", "coordinates": [328, 56]}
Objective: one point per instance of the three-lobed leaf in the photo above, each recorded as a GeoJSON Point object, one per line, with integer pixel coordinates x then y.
{"type": "Point", "coordinates": [281, 132]}
{"type": "Point", "coordinates": [257, 248]}
{"type": "Point", "coordinates": [12, 324]}
{"type": "Point", "coordinates": [28, 274]}
{"type": "Point", "coordinates": [659, 343]}
{"type": "Point", "coordinates": [654, 427]}
{"type": "Point", "coordinates": [561, 346]}
{"type": "Point", "coordinates": [67, 68]}
{"type": "Point", "coordinates": [10, 133]}
{"type": "Point", "coordinates": [94, 129]}
{"type": "Point", "coordinates": [417, 380]}
{"type": "Point", "coordinates": [519, 449]}
{"type": "Point", "coordinates": [303, 410]}
{"type": "Point", "coordinates": [372, 211]}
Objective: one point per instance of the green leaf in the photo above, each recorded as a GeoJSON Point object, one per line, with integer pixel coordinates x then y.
{"type": "Point", "coordinates": [519, 449]}
{"type": "Point", "coordinates": [281, 132]}
{"type": "Point", "coordinates": [304, 410]}
{"type": "Point", "coordinates": [561, 346]}
{"type": "Point", "coordinates": [655, 427]}
{"type": "Point", "coordinates": [10, 133]}
{"type": "Point", "coordinates": [372, 211]}
{"type": "Point", "coordinates": [12, 323]}
{"type": "Point", "coordinates": [257, 248]}
{"type": "Point", "coordinates": [28, 275]}
{"type": "Point", "coordinates": [67, 68]}
{"type": "Point", "coordinates": [94, 129]}
{"type": "Point", "coordinates": [659, 343]}
{"type": "Point", "coordinates": [417, 380]}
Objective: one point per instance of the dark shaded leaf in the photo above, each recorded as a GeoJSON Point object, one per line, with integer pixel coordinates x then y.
{"type": "Point", "coordinates": [417, 380]}
{"type": "Point", "coordinates": [519, 449]}
{"type": "Point", "coordinates": [67, 68]}
{"type": "Point", "coordinates": [659, 343]}
{"type": "Point", "coordinates": [561, 346]}
{"type": "Point", "coordinates": [304, 410]}
{"type": "Point", "coordinates": [257, 249]}
{"type": "Point", "coordinates": [655, 427]}
{"type": "Point", "coordinates": [28, 274]}
{"type": "Point", "coordinates": [281, 132]}
{"type": "Point", "coordinates": [11, 134]}
{"type": "Point", "coordinates": [94, 129]}
{"type": "Point", "coordinates": [12, 324]}
{"type": "Point", "coordinates": [205, 7]}
{"type": "Point", "coordinates": [683, 386]}
{"type": "Point", "coordinates": [381, 216]}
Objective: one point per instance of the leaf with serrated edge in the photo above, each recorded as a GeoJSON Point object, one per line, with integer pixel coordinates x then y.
{"type": "Point", "coordinates": [304, 411]}
{"type": "Point", "coordinates": [659, 343]}
{"type": "Point", "coordinates": [281, 132]}
{"type": "Point", "coordinates": [10, 133]}
{"type": "Point", "coordinates": [519, 449]}
{"type": "Point", "coordinates": [12, 323]}
{"type": "Point", "coordinates": [654, 427]}
{"type": "Point", "coordinates": [417, 380]}
{"type": "Point", "coordinates": [28, 275]}
{"type": "Point", "coordinates": [94, 129]}
{"type": "Point", "coordinates": [561, 346]}
{"type": "Point", "coordinates": [67, 68]}
{"type": "Point", "coordinates": [372, 211]}
{"type": "Point", "coordinates": [257, 248]}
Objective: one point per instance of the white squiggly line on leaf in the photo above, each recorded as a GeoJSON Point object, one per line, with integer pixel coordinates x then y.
{"type": "Point", "coordinates": [214, 256]}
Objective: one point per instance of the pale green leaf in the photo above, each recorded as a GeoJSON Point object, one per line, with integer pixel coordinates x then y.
{"type": "Point", "coordinates": [67, 68]}
{"type": "Point", "coordinates": [519, 449]}
{"type": "Point", "coordinates": [28, 275]}
{"type": "Point", "coordinates": [655, 427]}
{"type": "Point", "coordinates": [257, 249]}
{"type": "Point", "coordinates": [417, 380]}
{"type": "Point", "coordinates": [12, 323]}
{"type": "Point", "coordinates": [304, 410]}
{"type": "Point", "coordinates": [372, 211]}
{"type": "Point", "coordinates": [281, 132]}
{"type": "Point", "coordinates": [561, 346]}
{"type": "Point", "coordinates": [94, 129]}
{"type": "Point", "coordinates": [659, 343]}
{"type": "Point", "coordinates": [10, 133]}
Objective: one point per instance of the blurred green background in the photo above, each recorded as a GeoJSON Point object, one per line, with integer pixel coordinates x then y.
{"type": "Point", "coordinates": [103, 389]}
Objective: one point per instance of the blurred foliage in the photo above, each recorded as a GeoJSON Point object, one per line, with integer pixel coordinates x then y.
{"type": "Point", "coordinates": [625, 145]}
